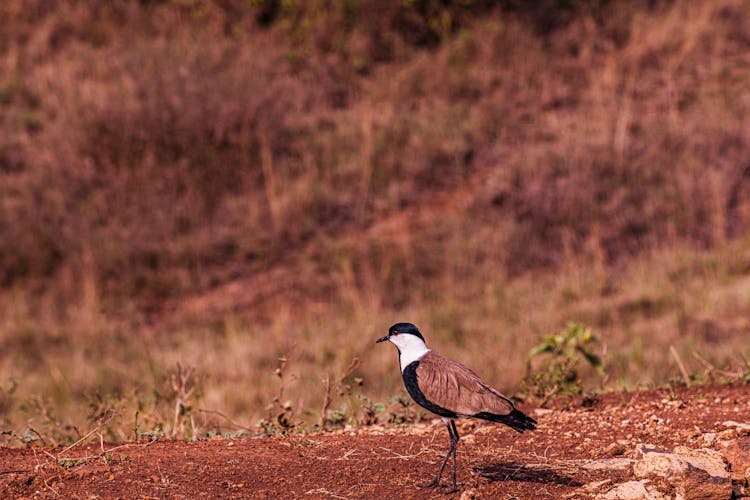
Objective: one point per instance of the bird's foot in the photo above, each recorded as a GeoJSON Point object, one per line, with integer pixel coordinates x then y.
{"type": "Point", "coordinates": [448, 491]}
{"type": "Point", "coordinates": [431, 484]}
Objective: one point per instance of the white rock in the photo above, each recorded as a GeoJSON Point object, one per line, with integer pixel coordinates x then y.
{"type": "Point", "coordinates": [709, 438]}
{"type": "Point", "coordinates": [596, 485]}
{"type": "Point", "coordinates": [634, 490]}
{"type": "Point", "coordinates": [699, 473]}
{"type": "Point", "coordinates": [469, 494]}
{"type": "Point", "coordinates": [707, 459]}
{"type": "Point", "coordinates": [742, 428]}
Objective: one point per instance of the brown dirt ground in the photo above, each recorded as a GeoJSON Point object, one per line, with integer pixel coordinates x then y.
{"type": "Point", "coordinates": [494, 462]}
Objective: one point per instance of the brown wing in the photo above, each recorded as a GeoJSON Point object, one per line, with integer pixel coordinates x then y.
{"type": "Point", "coordinates": [454, 387]}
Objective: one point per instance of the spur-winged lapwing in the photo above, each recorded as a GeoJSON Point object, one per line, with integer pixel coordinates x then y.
{"type": "Point", "coordinates": [449, 390]}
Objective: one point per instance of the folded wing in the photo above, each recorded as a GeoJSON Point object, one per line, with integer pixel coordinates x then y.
{"type": "Point", "coordinates": [453, 386]}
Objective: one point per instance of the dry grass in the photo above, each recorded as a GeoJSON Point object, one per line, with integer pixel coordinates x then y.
{"type": "Point", "coordinates": [221, 193]}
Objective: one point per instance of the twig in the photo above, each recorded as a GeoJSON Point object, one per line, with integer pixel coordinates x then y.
{"type": "Point", "coordinates": [96, 429]}
{"type": "Point", "coordinates": [711, 368]}
{"type": "Point", "coordinates": [403, 457]}
{"type": "Point", "coordinates": [17, 471]}
{"type": "Point", "coordinates": [511, 474]}
{"type": "Point", "coordinates": [347, 454]}
{"type": "Point", "coordinates": [54, 491]}
{"type": "Point", "coordinates": [339, 382]}
{"type": "Point", "coordinates": [232, 422]}
{"type": "Point", "coordinates": [352, 366]}
{"type": "Point", "coordinates": [326, 402]}
{"type": "Point", "coordinates": [269, 181]}
{"type": "Point", "coordinates": [103, 453]}
{"type": "Point", "coordinates": [44, 441]}
{"type": "Point", "coordinates": [183, 388]}
{"type": "Point", "coordinates": [685, 375]}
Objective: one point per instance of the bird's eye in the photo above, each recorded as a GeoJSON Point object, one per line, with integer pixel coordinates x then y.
{"type": "Point", "coordinates": [395, 332]}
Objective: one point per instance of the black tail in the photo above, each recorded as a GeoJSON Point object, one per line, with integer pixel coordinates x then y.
{"type": "Point", "coordinates": [516, 420]}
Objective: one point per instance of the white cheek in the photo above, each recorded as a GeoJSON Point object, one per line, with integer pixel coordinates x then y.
{"type": "Point", "coordinates": [411, 348]}
{"type": "Point", "coordinates": [399, 342]}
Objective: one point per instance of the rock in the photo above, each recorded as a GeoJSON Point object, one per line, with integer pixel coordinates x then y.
{"type": "Point", "coordinates": [740, 489]}
{"type": "Point", "coordinates": [634, 490]}
{"type": "Point", "coordinates": [741, 483]}
{"type": "Point", "coordinates": [707, 459]}
{"type": "Point", "coordinates": [694, 474]}
{"type": "Point", "coordinates": [609, 464]}
{"type": "Point", "coordinates": [470, 494]}
{"type": "Point", "coordinates": [655, 420]}
{"type": "Point", "coordinates": [741, 428]}
{"type": "Point", "coordinates": [734, 430]}
{"type": "Point", "coordinates": [737, 453]}
{"type": "Point", "coordinates": [596, 485]}
{"type": "Point", "coordinates": [615, 450]}
{"type": "Point", "coordinates": [727, 434]}
{"type": "Point", "coordinates": [708, 438]}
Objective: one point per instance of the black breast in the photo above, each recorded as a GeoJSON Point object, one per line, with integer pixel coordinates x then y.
{"type": "Point", "coordinates": [412, 387]}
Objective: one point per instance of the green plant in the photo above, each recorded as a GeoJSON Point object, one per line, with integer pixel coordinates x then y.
{"type": "Point", "coordinates": [559, 373]}
{"type": "Point", "coordinates": [746, 371]}
{"type": "Point", "coordinates": [369, 410]}
{"type": "Point", "coordinates": [68, 463]}
{"type": "Point", "coordinates": [153, 435]}
{"type": "Point", "coordinates": [235, 435]}
{"type": "Point", "coordinates": [402, 411]}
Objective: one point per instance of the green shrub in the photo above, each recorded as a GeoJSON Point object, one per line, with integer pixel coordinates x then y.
{"type": "Point", "coordinates": [563, 353]}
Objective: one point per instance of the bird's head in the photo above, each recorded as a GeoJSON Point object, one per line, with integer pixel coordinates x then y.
{"type": "Point", "coordinates": [405, 336]}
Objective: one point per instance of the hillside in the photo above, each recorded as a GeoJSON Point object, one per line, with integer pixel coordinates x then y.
{"type": "Point", "coordinates": [210, 209]}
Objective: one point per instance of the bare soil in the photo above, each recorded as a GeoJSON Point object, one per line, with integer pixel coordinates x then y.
{"type": "Point", "coordinates": [494, 461]}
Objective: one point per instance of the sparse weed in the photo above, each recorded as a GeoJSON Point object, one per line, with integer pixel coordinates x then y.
{"type": "Point", "coordinates": [183, 387]}
{"type": "Point", "coordinates": [235, 435]}
{"type": "Point", "coordinates": [745, 372]}
{"type": "Point", "coordinates": [403, 411]}
{"type": "Point", "coordinates": [281, 417]}
{"type": "Point", "coordinates": [154, 434]}
{"type": "Point", "coordinates": [72, 462]}
{"type": "Point", "coordinates": [7, 396]}
{"type": "Point", "coordinates": [338, 387]}
{"type": "Point", "coordinates": [370, 411]}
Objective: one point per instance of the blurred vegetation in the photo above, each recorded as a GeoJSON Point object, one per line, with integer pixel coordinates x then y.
{"type": "Point", "coordinates": [217, 182]}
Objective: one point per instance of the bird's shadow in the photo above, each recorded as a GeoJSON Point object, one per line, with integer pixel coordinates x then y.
{"type": "Point", "coordinates": [513, 471]}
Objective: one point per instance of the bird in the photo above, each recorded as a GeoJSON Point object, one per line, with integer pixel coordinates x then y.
{"type": "Point", "coordinates": [449, 390]}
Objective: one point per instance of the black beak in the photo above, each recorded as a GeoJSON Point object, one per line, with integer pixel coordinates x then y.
{"type": "Point", "coordinates": [383, 339]}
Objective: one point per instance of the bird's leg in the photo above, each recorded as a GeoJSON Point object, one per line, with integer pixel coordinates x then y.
{"type": "Point", "coordinates": [451, 429]}
{"type": "Point", "coordinates": [454, 442]}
